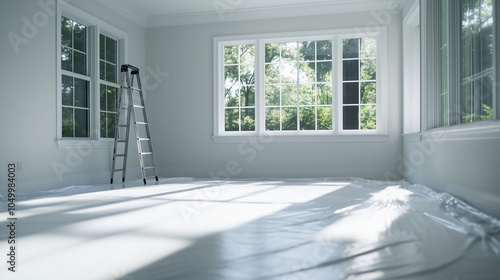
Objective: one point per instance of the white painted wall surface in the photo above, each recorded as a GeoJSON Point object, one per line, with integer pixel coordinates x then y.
{"type": "Point", "coordinates": [28, 97]}
{"type": "Point", "coordinates": [181, 108]}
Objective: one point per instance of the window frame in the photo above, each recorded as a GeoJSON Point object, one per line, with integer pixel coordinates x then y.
{"type": "Point", "coordinates": [95, 27]}
{"type": "Point", "coordinates": [431, 115]}
{"type": "Point", "coordinates": [334, 135]}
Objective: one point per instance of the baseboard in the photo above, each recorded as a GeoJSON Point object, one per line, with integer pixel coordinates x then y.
{"type": "Point", "coordinates": [481, 199]}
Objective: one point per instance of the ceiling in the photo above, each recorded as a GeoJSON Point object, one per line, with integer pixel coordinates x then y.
{"type": "Point", "coordinates": [153, 13]}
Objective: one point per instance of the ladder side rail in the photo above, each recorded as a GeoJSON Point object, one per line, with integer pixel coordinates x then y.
{"type": "Point", "coordinates": [127, 129]}
{"type": "Point", "coordinates": [150, 142]}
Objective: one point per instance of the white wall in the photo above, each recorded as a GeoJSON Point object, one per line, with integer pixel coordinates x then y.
{"type": "Point", "coordinates": [181, 108]}
{"type": "Point", "coordinates": [28, 97]}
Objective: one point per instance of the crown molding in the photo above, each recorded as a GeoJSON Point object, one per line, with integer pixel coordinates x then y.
{"type": "Point", "coordinates": [126, 9]}
{"type": "Point", "coordinates": [337, 7]}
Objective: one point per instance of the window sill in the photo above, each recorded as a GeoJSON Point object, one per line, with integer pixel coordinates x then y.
{"type": "Point", "coordinates": [475, 131]}
{"type": "Point", "coordinates": [84, 143]}
{"type": "Point", "coordinates": [267, 138]}
{"type": "Point", "coordinates": [412, 137]}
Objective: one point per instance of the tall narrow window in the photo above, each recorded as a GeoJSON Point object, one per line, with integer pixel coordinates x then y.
{"type": "Point", "coordinates": [298, 86]}
{"type": "Point", "coordinates": [239, 87]}
{"type": "Point", "coordinates": [359, 76]}
{"type": "Point", "coordinates": [444, 96]}
{"type": "Point", "coordinates": [75, 81]}
{"type": "Point", "coordinates": [476, 53]}
{"type": "Point", "coordinates": [108, 85]}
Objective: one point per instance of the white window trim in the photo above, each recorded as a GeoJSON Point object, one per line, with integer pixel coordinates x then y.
{"type": "Point", "coordinates": [482, 130]}
{"type": "Point", "coordinates": [95, 26]}
{"type": "Point", "coordinates": [336, 135]}
{"type": "Point", "coordinates": [411, 71]}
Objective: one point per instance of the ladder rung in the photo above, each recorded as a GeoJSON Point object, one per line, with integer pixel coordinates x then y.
{"type": "Point", "coordinates": [124, 108]}
{"type": "Point", "coordinates": [119, 155]}
{"type": "Point", "coordinates": [143, 139]}
{"type": "Point", "coordinates": [134, 88]}
{"type": "Point", "coordinates": [148, 167]}
{"type": "Point", "coordinates": [121, 141]}
{"type": "Point", "coordinates": [123, 125]}
{"type": "Point", "coordinates": [118, 170]}
{"type": "Point", "coordinates": [138, 106]}
{"type": "Point", "coordinates": [147, 153]}
{"type": "Point", "coordinates": [141, 123]}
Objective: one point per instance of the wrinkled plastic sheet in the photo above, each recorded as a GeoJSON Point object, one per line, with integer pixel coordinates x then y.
{"type": "Point", "coordinates": [184, 228]}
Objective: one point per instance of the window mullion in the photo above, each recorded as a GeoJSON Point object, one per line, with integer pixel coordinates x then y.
{"type": "Point", "coordinates": [496, 60]}
{"type": "Point", "coordinates": [93, 58]}
{"type": "Point", "coordinates": [260, 95]}
{"type": "Point", "coordinates": [454, 80]}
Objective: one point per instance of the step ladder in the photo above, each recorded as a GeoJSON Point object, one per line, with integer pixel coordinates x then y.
{"type": "Point", "coordinates": [132, 108]}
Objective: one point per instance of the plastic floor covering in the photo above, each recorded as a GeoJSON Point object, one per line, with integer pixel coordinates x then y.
{"type": "Point", "coordinates": [183, 228]}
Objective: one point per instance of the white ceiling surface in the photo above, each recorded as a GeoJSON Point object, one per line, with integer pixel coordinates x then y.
{"type": "Point", "coordinates": [154, 13]}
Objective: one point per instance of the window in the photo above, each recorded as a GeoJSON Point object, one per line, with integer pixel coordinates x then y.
{"type": "Point", "coordinates": [301, 87]}
{"type": "Point", "coordinates": [90, 54]}
{"type": "Point", "coordinates": [75, 82]}
{"type": "Point", "coordinates": [108, 68]}
{"type": "Point", "coordinates": [466, 88]}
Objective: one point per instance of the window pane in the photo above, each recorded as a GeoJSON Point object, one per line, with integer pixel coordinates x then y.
{"type": "Point", "coordinates": [324, 50]}
{"type": "Point", "coordinates": [324, 118]}
{"type": "Point", "coordinates": [110, 72]}
{"type": "Point", "coordinates": [231, 54]}
{"type": "Point", "coordinates": [66, 32]}
{"type": "Point", "coordinates": [232, 120]}
{"type": "Point", "coordinates": [67, 122]}
{"type": "Point", "coordinates": [111, 119]}
{"type": "Point", "coordinates": [351, 70]}
{"type": "Point", "coordinates": [81, 93]}
{"type": "Point", "coordinates": [307, 118]}
{"type": "Point", "coordinates": [307, 51]}
{"type": "Point", "coordinates": [272, 119]}
{"type": "Point", "coordinates": [66, 59]}
{"type": "Point", "coordinates": [307, 94]}
{"type": "Point", "coordinates": [112, 101]}
{"type": "Point", "coordinates": [324, 72]}
{"type": "Point", "coordinates": [272, 74]}
{"type": "Point", "coordinates": [247, 119]}
{"type": "Point", "coordinates": [247, 74]}
{"type": "Point", "coordinates": [81, 123]}
{"type": "Point", "coordinates": [102, 70]}
{"type": "Point", "coordinates": [368, 69]}
{"type": "Point", "coordinates": [247, 96]}
{"type": "Point", "coordinates": [247, 54]}
{"type": "Point", "coordinates": [272, 95]}
{"type": "Point", "coordinates": [288, 73]}
{"type": "Point", "coordinates": [307, 72]}
{"type": "Point", "coordinates": [368, 92]}
{"type": "Point", "coordinates": [231, 75]}
{"type": "Point", "coordinates": [102, 47]}
{"type": "Point", "coordinates": [272, 52]}
{"type": "Point", "coordinates": [80, 37]}
{"type": "Point", "coordinates": [368, 116]}
{"type": "Point", "coordinates": [368, 47]}
{"type": "Point", "coordinates": [350, 93]}
{"type": "Point", "coordinates": [110, 50]}
{"type": "Point", "coordinates": [80, 66]}
{"type": "Point", "coordinates": [477, 60]}
{"type": "Point", "coordinates": [350, 48]}
{"type": "Point", "coordinates": [67, 90]}
{"type": "Point", "coordinates": [232, 97]}
{"type": "Point", "coordinates": [288, 95]}
{"type": "Point", "coordinates": [104, 125]}
{"type": "Point", "coordinates": [324, 94]}
{"type": "Point", "coordinates": [102, 97]}
{"type": "Point", "coordinates": [290, 118]}
{"type": "Point", "coordinates": [289, 51]}
{"type": "Point", "coordinates": [351, 117]}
